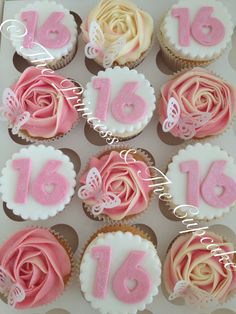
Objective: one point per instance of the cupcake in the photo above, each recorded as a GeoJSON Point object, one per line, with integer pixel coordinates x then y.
{"type": "Point", "coordinates": [193, 33]}
{"type": "Point", "coordinates": [116, 184]}
{"type": "Point", "coordinates": [196, 104]}
{"type": "Point", "coordinates": [202, 176]}
{"type": "Point", "coordinates": [119, 101]}
{"type": "Point", "coordinates": [36, 266]}
{"type": "Point", "coordinates": [117, 32]}
{"type": "Point", "coordinates": [200, 270]}
{"type": "Point", "coordinates": [37, 182]}
{"type": "Point", "coordinates": [41, 107]}
{"type": "Point", "coordinates": [120, 270]}
{"type": "Point", "coordinates": [50, 34]}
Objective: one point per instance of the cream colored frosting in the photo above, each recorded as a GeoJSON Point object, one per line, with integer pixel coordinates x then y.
{"type": "Point", "coordinates": [120, 18]}
{"type": "Point", "coordinates": [191, 261]}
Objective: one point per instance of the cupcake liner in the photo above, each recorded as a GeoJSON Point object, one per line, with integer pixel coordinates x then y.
{"type": "Point", "coordinates": [175, 61]}
{"type": "Point", "coordinates": [208, 138]}
{"type": "Point", "coordinates": [64, 243]}
{"type": "Point", "coordinates": [171, 203]}
{"type": "Point", "coordinates": [140, 155]}
{"type": "Point", "coordinates": [123, 139]}
{"type": "Point", "coordinates": [68, 249]}
{"type": "Point", "coordinates": [209, 231]}
{"type": "Point", "coordinates": [57, 64]}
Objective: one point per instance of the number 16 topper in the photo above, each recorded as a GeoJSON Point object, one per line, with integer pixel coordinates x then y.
{"type": "Point", "coordinates": [120, 271]}
{"type": "Point", "coordinates": [51, 33]}
{"type": "Point", "coordinates": [197, 30]}
{"type": "Point", "coordinates": [120, 101]}
{"type": "Point", "coordinates": [37, 182]}
{"type": "Point", "coordinates": [203, 176]}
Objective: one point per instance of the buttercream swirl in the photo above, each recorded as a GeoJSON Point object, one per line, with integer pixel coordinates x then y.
{"type": "Point", "coordinates": [52, 113]}
{"type": "Point", "coordinates": [120, 18]}
{"type": "Point", "coordinates": [190, 260]}
{"type": "Point", "coordinates": [197, 92]}
{"type": "Point", "coordinates": [123, 180]}
{"type": "Point", "coordinates": [35, 259]}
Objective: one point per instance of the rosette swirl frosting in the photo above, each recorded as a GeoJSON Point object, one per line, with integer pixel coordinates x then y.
{"type": "Point", "coordinates": [48, 99]}
{"type": "Point", "coordinates": [121, 18]}
{"type": "Point", "coordinates": [34, 259]}
{"type": "Point", "coordinates": [190, 260]}
{"type": "Point", "coordinates": [199, 92]}
{"type": "Point", "coordinates": [123, 180]}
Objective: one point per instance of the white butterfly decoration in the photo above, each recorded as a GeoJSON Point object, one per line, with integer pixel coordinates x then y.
{"type": "Point", "coordinates": [12, 112]}
{"type": "Point", "coordinates": [93, 189]}
{"type": "Point", "coordinates": [14, 291]}
{"type": "Point", "coordinates": [193, 296]}
{"type": "Point", "coordinates": [188, 124]}
{"type": "Point", "coordinates": [96, 46]}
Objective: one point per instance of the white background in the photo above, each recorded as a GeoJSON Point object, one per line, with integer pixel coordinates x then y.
{"type": "Point", "coordinates": [166, 230]}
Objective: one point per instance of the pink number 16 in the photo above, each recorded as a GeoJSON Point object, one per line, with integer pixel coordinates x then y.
{"type": "Point", "coordinates": [130, 270]}
{"type": "Point", "coordinates": [203, 19]}
{"type": "Point", "coordinates": [214, 179]}
{"type": "Point", "coordinates": [126, 99]}
{"type": "Point", "coordinates": [48, 188]}
{"type": "Point", "coordinates": [52, 34]}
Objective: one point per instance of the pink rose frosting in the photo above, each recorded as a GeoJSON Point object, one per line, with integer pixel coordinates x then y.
{"type": "Point", "coordinates": [123, 180]}
{"type": "Point", "coordinates": [35, 259]}
{"type": "Point", "coordinates": [51, 111]}
{"type": "Point", "coordinates": [197, 91]}
{"type": "Point", "coordinates": [190, 260]}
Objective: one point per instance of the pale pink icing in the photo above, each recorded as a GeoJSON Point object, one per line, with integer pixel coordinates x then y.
{"type": "Point", "coordinates": [123, 180]}
{"type": "Point", "coordinates": [103, 256]}
{"type": "Point", "coordinates": [202, 18]}
{"type": "Point", "coordinates": [198, 91]}
{"type": "Point", "coordinates": [188, 259]}
{"type": "Point", "coordinates": [131, 269]}
{"type": "Point", "coordinates": [51, 112]}
{"type": "Point", "coordinates": [35, 259]}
